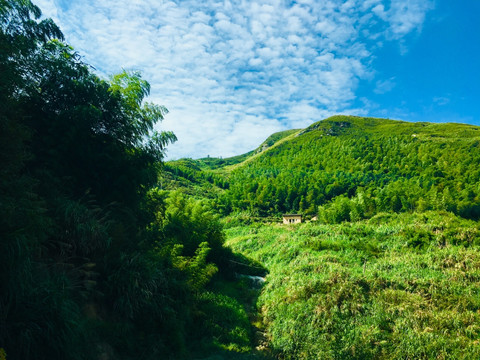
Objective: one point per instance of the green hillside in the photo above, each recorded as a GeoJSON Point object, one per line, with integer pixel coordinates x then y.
{"type": "Point", "coordinates": [206, 177]}
{"type": "Point", "coordinates": [390, 270]}
{"type": "Point", "coordinates": [348, 167]}
{"type": "Point", "coordinates": [396, 286]}
{"type": "Point", "coordinates": [378, 165]}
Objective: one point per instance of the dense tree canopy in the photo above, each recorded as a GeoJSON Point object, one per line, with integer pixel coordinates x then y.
{"type": "Point", "coordinates": [348, 168]}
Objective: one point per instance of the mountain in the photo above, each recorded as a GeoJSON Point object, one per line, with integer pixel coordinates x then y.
{"type": "Point", "coordinates": [391, 269]}
{"type": "Point", "coordinates": [345, 168]}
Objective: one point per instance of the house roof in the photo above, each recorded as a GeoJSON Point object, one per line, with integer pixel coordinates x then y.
{"type": "Point", "coordinates": [285, 215]}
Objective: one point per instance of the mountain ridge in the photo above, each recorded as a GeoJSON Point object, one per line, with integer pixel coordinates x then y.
{"type": "Point", "coordinates": [331, 124]}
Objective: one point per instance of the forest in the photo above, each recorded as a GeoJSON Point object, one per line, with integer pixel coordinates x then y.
{"type": "Point", "coordinates": [107, 251]}
{"type": "Point", "coordinates": [352, 168]}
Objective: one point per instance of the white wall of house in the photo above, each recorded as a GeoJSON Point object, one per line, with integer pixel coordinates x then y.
{"type": "Point", "coordinates": [292, 219]}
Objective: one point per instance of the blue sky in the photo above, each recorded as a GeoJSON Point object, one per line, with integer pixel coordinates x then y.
{"type": "Point", "coordinates": [232, 72]}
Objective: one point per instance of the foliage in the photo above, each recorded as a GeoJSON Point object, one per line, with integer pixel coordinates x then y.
{"type": "Point", "coordinates": [196, 267]}
{"type": "Point", "coordinates": [348, 168]}
{"type": "Point", "coordinates": [378, 165]}
{"type": "Point", "coordinates": [101, 258]}
{"type": "Point", "coordinates": [90, 262]}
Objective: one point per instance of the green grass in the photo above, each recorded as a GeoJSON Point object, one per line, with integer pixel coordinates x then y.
{"type": "Point", "coordinates": [394, 287]}
{"type": "Point", "coordinates": [228, 317]}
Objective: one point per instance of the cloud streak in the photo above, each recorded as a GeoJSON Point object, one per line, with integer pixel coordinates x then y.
{"type": "Point", "coordinates": [232, 72]}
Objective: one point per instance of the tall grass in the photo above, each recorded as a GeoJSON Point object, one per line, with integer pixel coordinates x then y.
{"type": "Point", "coordinates": [394, 287]}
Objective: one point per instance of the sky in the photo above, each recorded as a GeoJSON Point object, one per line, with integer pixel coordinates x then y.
{"type": "Point", "coordinates": [232, 72]}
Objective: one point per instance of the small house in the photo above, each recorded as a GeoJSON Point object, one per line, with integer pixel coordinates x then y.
{"type": "Point", "coordinates": [292, 218]}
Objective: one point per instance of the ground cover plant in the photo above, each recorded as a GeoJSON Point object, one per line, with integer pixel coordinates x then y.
{"type": "Point", "coordinates": [393, 287]}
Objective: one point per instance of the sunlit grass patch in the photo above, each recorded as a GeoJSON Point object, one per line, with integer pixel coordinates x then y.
{"type": "Point", "coordinates": [397, 286]}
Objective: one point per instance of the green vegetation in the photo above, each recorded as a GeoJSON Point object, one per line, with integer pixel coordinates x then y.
{"type": "Point", "coordinates": [106, 251]}
{"type": "Point", "coordinates": [393, 287]}
{"type": "Point", "coordinates": [356, 167]}
{"type": "Point", "coordinates": [95, 260]}
{"type": "Point", "coordinates": [205, 177]}
{"type": "Point", "coordinates": [390, 270]}
{"type": "Point", "coordinates": [347, 168]}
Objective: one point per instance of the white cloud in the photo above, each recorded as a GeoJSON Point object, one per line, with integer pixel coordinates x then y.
{"type": "Point", "coordinates": [384, 86]}
{"type": "Point", "coordinates": [48, 8]}
{"type": "Point", "coordinates": [403, 16]}
{"type": "Point", "coordinates": [232, 72]}
{"type": "Point", "coordinates": [441, 100]}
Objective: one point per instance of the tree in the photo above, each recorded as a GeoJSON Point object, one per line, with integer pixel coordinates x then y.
{"type": "Point", "coordinates": [77, 155]}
